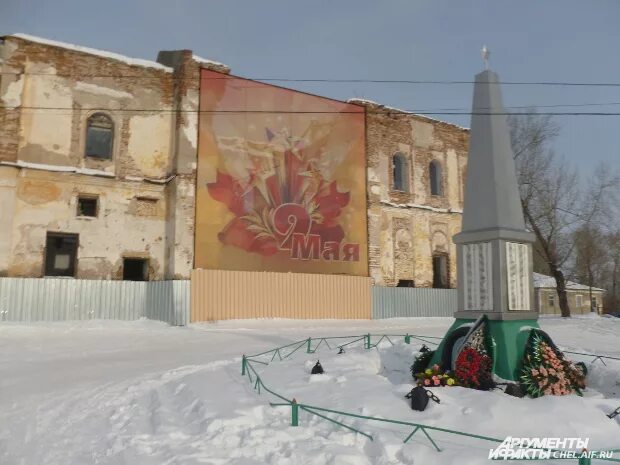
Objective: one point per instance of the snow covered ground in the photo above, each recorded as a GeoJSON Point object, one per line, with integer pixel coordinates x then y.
{"type": "Point", "coordinates": [145, 393]}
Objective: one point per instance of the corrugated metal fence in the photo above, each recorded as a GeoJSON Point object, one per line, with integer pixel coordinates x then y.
{"type": "Point", "coordinates": [57, 299]}
{"type": "Point", "coordinates": [227, 295]}
{"type": "Point", "coordinates": [218, 295]}
{"type": "Point", "coordinates": [399, 302]}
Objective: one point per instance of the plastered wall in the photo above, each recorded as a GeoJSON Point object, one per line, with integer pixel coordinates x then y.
{"type": "Point", "coordinates": [48, 92]}
{"type": "Point", "coordinates": [125, 226]}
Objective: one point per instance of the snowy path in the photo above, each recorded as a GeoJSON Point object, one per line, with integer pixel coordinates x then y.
{"type": "Point", "coordinates": [145, 393]}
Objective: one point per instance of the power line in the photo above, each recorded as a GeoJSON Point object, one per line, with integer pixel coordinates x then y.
{"type": "Point", "coordinates": [432, 111]}
{"type": "Point", "coordinates": [328, 80]}
{"type": "Point", "coordinates": [407, 81]}
{"type": "Point", "coordinates": [558, 105]}
{"type": "Point", "coordinates": [386, 111]}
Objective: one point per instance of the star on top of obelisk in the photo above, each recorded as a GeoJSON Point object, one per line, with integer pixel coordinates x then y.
{"type": "Point", "coordinates": [485, 56]}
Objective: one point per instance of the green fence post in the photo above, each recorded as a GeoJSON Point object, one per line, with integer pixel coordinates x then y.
{"type": "Point", "coordinates": [367, 344]}
{"type": "Point", "coordinates": [294, 413]}
{"type": "Point", "coordinates": [243, 362]}
{"type": "Point", "coordinates": [584, 461]}
{"type": "Point", "coordinates": [308, 350]}
{"type": "Point", "coordinates": [407, 339]}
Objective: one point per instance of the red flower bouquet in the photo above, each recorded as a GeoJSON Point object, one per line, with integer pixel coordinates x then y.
{"type": "Point", "coordinates": [473, 369]}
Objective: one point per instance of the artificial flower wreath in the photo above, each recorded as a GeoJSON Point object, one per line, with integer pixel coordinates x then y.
{"type": "Point", "coordinates": [546, 371]}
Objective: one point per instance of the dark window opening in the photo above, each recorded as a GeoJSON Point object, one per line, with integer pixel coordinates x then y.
{"type": "Point", "coordinates": [400, 173]}
{"type": "Point", "coordinates": [434, 171]}
{"type": "Point", "coordinates": [87, 206]}
{"type": "Point", "coordinates": [99, 136]}
{"type": "Point", "coordinates": [440, 271]}
{"type": "Point", "coordinates": [60, 254]}
{"type": "Point", "coordinates": [135, 269]}
{"type": "Point", "coordinates": [405, 283]}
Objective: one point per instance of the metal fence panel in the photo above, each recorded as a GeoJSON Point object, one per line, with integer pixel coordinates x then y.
{"type": "Point", "coordinates": [57, 299]}
{"type": "Point", "coordinates": [399, 302]}
{"type": "Point", "coordinates": [168, 301]}
{"type": "Point", "coordinates": [228, 295]}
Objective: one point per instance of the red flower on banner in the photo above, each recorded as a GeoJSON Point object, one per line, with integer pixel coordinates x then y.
{"type": "Point", "coordinates": [281, 195]}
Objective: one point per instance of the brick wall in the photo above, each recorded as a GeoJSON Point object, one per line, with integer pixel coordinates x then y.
{"type": "Point", "coordinates": [406, 229]}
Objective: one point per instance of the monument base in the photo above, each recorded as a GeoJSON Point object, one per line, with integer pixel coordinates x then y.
{"type": "Point", "coordinates": [508, 339]}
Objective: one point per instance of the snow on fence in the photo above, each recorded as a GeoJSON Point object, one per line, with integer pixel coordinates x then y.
{"type": "Point", "coordinates": [399, 302]}
{"type": "Point", "coordinates": [58, 299]}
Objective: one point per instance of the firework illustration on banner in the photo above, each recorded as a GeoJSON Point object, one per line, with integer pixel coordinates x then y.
{"type": "Point", "coordinates": [283, 199]}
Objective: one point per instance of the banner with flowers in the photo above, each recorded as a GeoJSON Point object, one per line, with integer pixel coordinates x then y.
{"type": "Point", "coordinates": [281, 180]}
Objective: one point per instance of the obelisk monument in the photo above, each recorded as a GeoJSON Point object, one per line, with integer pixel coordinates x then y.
{"type": "Point", "coordinates": [494, 249]}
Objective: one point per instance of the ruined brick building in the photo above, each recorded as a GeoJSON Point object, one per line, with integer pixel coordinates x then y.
{"type": "Point", "coordinates": [99, 156]}
{"type": "Point", "coordinates": [92, 183]}
{"type": "Point", "coordinates": [416, 172]}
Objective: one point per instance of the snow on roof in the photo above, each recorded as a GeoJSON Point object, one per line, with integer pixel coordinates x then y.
{"type": "Point", "coordinates": [93, 51]}
{"type": "Point", "coordinates": [363, 101]}
{"type": "Point", "coordinates": [211, 64]}
{"type": "Point", "coordinates": [542, 280]}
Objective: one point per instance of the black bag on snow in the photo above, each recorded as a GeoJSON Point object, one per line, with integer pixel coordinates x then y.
{"type": "Point", "coordinates": [419, 398]}
{"type": "Point", "coordinates": [317, 369]}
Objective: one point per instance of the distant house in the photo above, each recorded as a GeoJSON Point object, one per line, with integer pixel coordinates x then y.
{"type": "Point", "coordinates": [546, 296]}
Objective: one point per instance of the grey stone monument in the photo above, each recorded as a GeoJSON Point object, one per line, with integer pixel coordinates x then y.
{"type": "Point", "coordinates": [494, 249]}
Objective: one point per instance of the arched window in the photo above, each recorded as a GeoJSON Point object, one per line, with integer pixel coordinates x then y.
{"type": "Point", "coordinates": [400, 172]}
{"type": "Point", "coordinates": [99, 136]}
{"type": "Point", "coordinates": [434, 171]}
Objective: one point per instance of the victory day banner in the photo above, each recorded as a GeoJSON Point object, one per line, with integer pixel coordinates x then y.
{"type": "Point", "coordinates": [281, 180]}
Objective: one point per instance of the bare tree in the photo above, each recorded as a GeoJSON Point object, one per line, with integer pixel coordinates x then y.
{"type": "Point", "coordinates": [591, 256]}
{"type": "Point", "coordinates": [554, 203]}
{"type": "Point", "coordinates": [612, 242]}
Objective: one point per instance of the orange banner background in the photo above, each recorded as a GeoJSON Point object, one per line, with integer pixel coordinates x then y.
{"type": "Point", "coordinates": [281, 180]}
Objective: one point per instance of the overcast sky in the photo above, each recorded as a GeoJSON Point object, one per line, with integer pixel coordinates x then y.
{"type": "Point", "coordinates": [560, 40]}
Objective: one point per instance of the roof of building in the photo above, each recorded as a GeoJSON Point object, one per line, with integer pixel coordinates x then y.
{"type": "Point", "coordinates": [211, 64]}
{"type": "Point", "coordinates": [387, 108]}
{"type": "Point", "coordinates": [93, 51]}
{"type": "Point", "coordinates": [542, 280]}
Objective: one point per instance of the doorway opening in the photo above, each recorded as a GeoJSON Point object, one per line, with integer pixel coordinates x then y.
{"type": "Point", "coordinates": [440, 271]}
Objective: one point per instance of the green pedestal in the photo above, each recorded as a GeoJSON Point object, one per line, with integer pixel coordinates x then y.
{"type": "Point", "coordinates": [508, 344]}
